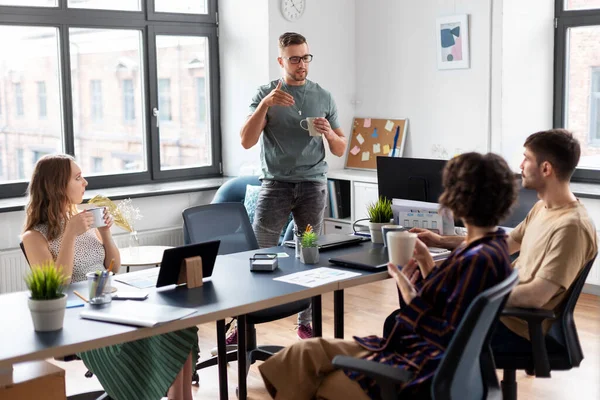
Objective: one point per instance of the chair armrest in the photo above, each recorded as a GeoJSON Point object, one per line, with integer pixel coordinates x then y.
{"type": "Point", "coordinates": [380, 372]}
{"type": "Point", "coordinates": [528, 314]}
{"type": "Point", "coordinates": [534, 318]}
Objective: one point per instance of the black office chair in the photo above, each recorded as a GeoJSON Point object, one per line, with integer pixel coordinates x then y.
{"type": "Point", "coordinates": [559, 350]}
{"type": "Point", "coordinates": [97, 395]}
{"type": "Point", "coordinates": [467, 370]}
{"type": "Point", "coordinates": [229, 223]}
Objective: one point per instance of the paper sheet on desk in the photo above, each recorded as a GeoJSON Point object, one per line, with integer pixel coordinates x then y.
{"type": "Point", "coordinates": [316, 277]}
{"type": "Point", "coordinates": [140, 281]}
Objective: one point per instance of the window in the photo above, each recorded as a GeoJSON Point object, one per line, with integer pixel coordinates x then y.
{"type": "Point", "coordinates": [200, 101]}
{"type": "Point", "coordinates": [19, 111]}
{"type": "Point", "coordinates": [164, 99]}
{"type": "Point", "coordinates": [37, 155]}
{"type": "Point", "coordinates": [96, 100]}
{"type": "Point", "coordinates": [75, 54]}
{"type": "Point", "coordinates": [1, 163]}
{"type": "Point", "coordinates": [128, 101]}
{"type": "Point", "coordinates": [97, 165]}
{"type": "Point", "coordinates": [595, 106]}
{"type": "Point", "coordinates": [20, 164]}
{"type": "Point", "coordinates": [577, 80]}
{"type": "Point", "coordinates": [41, 88]}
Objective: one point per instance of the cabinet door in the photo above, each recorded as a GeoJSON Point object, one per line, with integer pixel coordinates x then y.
{"type": "Point", "coordinates": [364, 194]}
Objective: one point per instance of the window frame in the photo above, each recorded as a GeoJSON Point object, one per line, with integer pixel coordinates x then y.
{"type": "Point", "coordinates": [149, 23]}
{"type": "Point", "coordinates": [595, 105]}
{"type": "Point", "coordinates": [564, 20]}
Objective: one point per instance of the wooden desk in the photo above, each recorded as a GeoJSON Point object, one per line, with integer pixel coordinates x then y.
{"type": "Point", "coordinates": [142, 256]}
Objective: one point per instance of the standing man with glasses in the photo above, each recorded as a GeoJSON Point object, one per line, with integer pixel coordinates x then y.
{"type": "Point", "coordinates": [293, 162]}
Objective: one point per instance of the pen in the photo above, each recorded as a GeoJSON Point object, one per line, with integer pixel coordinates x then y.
{"type": "Point", "coordinates": [112, 263]}
{"type": "Point", "coordinates": [395, 140]}
{"type": "Point", "coordinates": [76, 293]}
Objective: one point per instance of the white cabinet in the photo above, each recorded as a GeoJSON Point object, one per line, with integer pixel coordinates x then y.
{"type": "Point", "coordinates": [363, 190]}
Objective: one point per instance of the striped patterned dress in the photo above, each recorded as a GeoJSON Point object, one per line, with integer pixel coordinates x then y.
{"type": "Point", "coordinates": [139, 370]}
{"type": "Point", "coordinates": [416, 336]}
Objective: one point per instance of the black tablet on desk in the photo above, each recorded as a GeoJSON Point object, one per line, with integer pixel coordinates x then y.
{"type": "Point", "coordinates": [173, 259]}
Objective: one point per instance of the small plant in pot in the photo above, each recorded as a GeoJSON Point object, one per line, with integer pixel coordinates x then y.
{"type": "Point", "coordinates": [310, 250]}
{"type": "Point", "coordinates": [47, 301]}
{"type": "Point", "coordinates": [380, 213]}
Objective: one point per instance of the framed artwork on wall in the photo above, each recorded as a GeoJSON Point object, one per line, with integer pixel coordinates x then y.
{"type": "Point", "coordinates": [452, 36]}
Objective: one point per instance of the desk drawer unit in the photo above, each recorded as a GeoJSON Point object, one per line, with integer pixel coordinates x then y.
{"type": "Point", "coordinates": [330, 227]}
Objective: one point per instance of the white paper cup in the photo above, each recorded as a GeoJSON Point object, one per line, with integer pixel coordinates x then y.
{"type": "Point", "coordinates": [401, 246]}
{"type": "Point", "coordinates": [310, 126]}
{"type": "Point", "coordinates": [98, 213]}
{"type": "Point", "coordinates": [385, 229]}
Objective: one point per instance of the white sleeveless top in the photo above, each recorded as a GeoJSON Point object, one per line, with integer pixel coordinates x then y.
{"type": "Point", "coordinates": [89, 252]}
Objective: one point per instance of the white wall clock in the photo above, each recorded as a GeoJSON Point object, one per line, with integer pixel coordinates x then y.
{"type": "Point", "coordinates": [292, 10]}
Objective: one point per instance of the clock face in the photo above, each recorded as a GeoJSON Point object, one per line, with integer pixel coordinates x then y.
{"type": "Point", "coordinates": [292, 9]}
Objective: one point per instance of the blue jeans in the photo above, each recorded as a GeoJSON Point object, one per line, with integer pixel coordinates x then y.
{"type": "Point", "coordinates": [305, 200]}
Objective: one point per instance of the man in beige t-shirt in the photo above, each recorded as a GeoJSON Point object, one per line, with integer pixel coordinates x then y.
{"type": "Point", "coordinates": [556, 239]}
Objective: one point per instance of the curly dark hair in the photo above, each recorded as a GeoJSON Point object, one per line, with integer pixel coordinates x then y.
{"type": "Point", "coordinates": [479, 188]}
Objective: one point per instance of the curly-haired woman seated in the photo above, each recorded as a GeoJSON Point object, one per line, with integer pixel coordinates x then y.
{"type": "Point", "coordinates": [56, 230]}
{"type": "Point", "coordinates": [478, 189]}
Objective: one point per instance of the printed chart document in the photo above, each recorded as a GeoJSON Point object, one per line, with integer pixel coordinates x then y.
{"type": "Point", "coordinates": [131, 312]}
{"type": "Point", "coordinates": [139, 280]}
{"type": "Point", "coordinates": [316, 277]}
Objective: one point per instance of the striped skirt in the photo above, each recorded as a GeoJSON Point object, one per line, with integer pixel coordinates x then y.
{"type": "Point", "coordinates": [143, 369]}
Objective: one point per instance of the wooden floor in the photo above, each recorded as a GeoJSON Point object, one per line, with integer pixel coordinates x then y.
{"type": "Point", "coordinates": [365, 309]}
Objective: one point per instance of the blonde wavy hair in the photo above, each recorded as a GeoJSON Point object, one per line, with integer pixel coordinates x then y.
{"type": "Point", "coordinates": [48, 202]}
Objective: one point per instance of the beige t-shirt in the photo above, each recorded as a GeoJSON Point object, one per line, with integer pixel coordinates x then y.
{"type": "Point", "coordinates": [555, 245]}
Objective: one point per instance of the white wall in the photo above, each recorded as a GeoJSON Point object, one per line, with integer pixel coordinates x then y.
{"type": "Point", "coordinates": [397, 74]}
{"type": "Point", "coordinates": [248, 45]}
{"type": "Point", "coordinates": [527, 74]}
{"type": "Point", "coordinates": [329, 28]}
{"type": "Point", "coordinates": [244, 58]}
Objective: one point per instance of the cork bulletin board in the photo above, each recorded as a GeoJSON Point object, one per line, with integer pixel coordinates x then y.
{"type": "Point", "coordinates": [372, 137]}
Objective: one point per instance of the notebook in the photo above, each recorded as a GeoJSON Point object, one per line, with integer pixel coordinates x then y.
{"type": "Point", "coordinates": [376, 258]}
{"type": "Point", "coordinates": [131, 312]}
{"type": "Point", "coordinates": [332, 240]}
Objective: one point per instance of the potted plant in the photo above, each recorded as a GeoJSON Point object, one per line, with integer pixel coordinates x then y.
{"type": "Point", "coordinates": [47, 301]}
{"type": "Point", "coordinates": [310, 250]}
{"type": "Point", "coordinates": [380, 213]}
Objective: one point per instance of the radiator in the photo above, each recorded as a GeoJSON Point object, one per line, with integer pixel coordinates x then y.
{"type": "Point", "coordinates": [13, 265]}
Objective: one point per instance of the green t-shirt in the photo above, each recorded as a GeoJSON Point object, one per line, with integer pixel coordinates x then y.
{"type": "Point", "coordinates": [288, 152]}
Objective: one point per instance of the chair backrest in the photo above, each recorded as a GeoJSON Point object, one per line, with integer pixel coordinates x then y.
{"type": "Point", "coordinates": [234, 190]}
{"type": "Point", "coordinates": [467, 370]}
{"type": "Point", "coordinates": [227, 222]}
{"type": "Point", "coordinates": [564, 330]}
{"type": "Point", "coordinates": [23, 250]}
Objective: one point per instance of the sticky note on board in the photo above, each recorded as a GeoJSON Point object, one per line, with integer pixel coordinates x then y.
{"type": "Point", "coordinates": [374, 134]}
{"type": "Point", "coordinates": [355, 150]}
{"type": "Point", "coordinates": [360, 139]}
{"type": "Point", "coordinates": [365, 156]}
{"type": "Point", "coordinates": [386, 149]}
{"type": "Point", "coordinates": [376, 148]}
{"type": "Point", "coordinates": [367, 123]}
{"type": "Point", "coordinates": [389, 125]}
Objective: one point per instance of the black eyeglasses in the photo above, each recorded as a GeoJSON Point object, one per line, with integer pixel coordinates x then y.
{"type": "Point", "coordinates": [296, 59]}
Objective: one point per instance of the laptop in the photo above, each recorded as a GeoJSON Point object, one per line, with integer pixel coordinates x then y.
{"type": "Point", "coordinates": [376, 258]}
{"type": "Point", "coordinates": [136, 313]}
{"type": "Point", "coordinates": [332, 240]}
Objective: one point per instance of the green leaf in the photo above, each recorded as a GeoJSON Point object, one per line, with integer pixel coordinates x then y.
{"type": "Point", "coordinates": [46, 281]}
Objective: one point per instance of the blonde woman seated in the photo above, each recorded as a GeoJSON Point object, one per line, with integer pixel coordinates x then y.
{"type": "Point", "coordinates": [479, 189]}
{"type": "Point", "coordinates": [55, 230]}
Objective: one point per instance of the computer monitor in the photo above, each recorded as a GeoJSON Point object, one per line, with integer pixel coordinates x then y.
{"type": "Point", "coordinates": [406, 178]}
{"type": "Point", "coordinates": [421, 180]}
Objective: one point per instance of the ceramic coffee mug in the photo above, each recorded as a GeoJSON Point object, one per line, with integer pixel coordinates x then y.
{"type": "Point", "coordinates": [98, 213]}
{"type": "Point", "coordinates": [310, 126]}
{"type": "Point", "coordinates": [401, 246]}
{"type": "Point", "coordinates": [390, 228]}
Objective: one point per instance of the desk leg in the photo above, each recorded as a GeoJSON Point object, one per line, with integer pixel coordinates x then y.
{"type": "Point", "coordinates": [222, 359]}
{"type": "Point", "coordinates": [127, 268]}
{"type": "Point", "coordinates": [338, 314]}
{"type": "Point", "coordinates": [242, 359]}
{"type": "Point", "coordinates": [6, 375]}
{"type": "Point", "coordinates": [317, 316]}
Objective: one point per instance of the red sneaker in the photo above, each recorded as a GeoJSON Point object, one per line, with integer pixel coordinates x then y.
{"type": "Point", "coordinates": [304, 331]}
{"type": "Point", "coordinates": [232, 338]}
